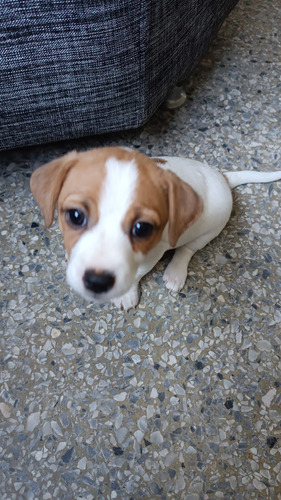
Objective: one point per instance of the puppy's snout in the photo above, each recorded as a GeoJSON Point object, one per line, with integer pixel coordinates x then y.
{"type": "Point", "coordinates": [98, 282]}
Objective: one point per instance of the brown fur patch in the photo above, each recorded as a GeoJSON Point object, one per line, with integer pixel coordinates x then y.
{"type": "Point", "coordinates": [81, 190]}
{"type": "Point", "coordinates": [160, 161]}
{"type": "Point", "coordinates": [150, 203]}
{"type": "Point", "coordinates": [185, 206]}
{"type": "Point", "coordinates": [46, 183]}
{"type": "Point", "coordinates": [169, 196]}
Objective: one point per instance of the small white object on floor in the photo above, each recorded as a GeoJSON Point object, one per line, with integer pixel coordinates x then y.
{"type": "Point", "coordinates": [175, 98]}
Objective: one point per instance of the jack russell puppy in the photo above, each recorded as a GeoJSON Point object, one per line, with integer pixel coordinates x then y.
{"type": "Point", "coordinates": [119, 211]}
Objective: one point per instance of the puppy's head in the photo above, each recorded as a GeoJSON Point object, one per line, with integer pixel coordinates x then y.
{"type": "Point", "coordinates": [113, 206]}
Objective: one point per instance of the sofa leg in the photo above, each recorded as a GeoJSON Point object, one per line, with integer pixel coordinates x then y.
{"type": "Point", "coordinates": [175, 98]}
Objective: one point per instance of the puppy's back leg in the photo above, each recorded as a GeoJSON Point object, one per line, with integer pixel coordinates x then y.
{"type": "Point", "coordinates": [176, 271]}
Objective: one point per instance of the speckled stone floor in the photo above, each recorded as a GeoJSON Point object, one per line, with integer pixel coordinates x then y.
{"type": "Point", "coordinates": [180, 398]}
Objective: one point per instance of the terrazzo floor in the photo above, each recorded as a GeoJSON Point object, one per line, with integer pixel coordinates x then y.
{"type": "Point", "coordinates": [180, 398]}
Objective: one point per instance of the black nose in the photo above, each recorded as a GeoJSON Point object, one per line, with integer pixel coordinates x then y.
{"type": "Point", "coordinates": [98, 282]}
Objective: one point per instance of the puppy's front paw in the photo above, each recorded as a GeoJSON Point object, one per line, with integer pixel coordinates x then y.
{"type": "Point", "coordinates": [129, 300]}
{"type": "Point", "coordinates": [175, 275]}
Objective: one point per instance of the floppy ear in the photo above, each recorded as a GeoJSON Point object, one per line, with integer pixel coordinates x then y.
{"type": "Point", "coordinates": [185, 206]}
{"type": "Point", "coordinates": [46, 183]}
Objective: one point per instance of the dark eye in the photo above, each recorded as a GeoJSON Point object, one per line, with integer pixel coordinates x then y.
{"type": "Point", "coordinates": [142, 229]}
{"type": "Point", "coordinates": [76, 217]}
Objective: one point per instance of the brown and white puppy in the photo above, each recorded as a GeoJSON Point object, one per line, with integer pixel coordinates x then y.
{"type": "Point", "coordinates": [119, 211]}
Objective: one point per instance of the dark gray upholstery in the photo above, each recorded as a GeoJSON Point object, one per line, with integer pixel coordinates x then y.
{"type": "Point", "coordinates": [73, 68]}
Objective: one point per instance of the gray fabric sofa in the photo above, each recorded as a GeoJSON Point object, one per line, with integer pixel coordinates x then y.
{"type": "Point", "coordinates": [73, 68]}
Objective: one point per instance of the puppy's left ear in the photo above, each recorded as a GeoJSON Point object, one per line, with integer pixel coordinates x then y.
{"type": "Point", "coordinates": [46, 183]}
{"type": "Point", "coordinates": [185, 206]}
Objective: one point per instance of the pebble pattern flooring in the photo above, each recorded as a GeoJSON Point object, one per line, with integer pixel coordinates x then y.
{"type": "Point", "coordinates": [179, 398]}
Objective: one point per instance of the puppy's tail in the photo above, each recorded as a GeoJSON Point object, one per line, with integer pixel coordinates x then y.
{"type": "Point", "coordinates": [244, 177]}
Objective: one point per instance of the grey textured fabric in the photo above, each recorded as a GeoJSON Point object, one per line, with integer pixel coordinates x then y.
{"type": "Point", "coordinates": [74, 68]}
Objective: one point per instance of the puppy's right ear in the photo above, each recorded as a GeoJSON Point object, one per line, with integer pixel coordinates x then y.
{"type": "Point", "coordinates": [46, 183]}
